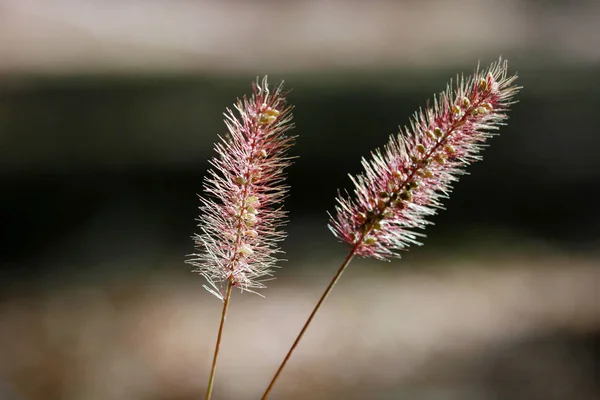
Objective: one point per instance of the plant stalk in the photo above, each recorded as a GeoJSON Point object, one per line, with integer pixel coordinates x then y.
{"type": "Point", "coordinates": [211, 380]}
{"type": "Point", "coordinates": [334, 280]}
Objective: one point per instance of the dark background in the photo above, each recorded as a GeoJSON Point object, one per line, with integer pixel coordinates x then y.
{"type": "Point", "coordinates": [99, 170]}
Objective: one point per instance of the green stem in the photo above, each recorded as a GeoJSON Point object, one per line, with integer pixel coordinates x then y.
{"type": "Point", "coordinates": [211, 380]}
{"type": "Point", "coordinates": [312, 315]}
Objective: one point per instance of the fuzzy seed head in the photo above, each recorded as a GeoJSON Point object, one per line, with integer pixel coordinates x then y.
{"type": "Point", "coordinates": [417, 167]}
{"type": "Point", "coordinates": [240, 214]}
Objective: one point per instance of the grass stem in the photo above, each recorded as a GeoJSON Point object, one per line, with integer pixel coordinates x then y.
{"type": "Point", "coordinates": [334, 280]}
{"type": "Point", "coordinates": [213, 369]}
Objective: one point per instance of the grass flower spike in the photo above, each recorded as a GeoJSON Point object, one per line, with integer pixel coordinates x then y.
{"type": "Point", "coordinates": [403, 184]}
{"type": "Point", "coordinates": [241, 215]}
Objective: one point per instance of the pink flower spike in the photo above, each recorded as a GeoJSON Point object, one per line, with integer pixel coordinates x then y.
{"type": "Point", "coordinates": [241, 215]}
{"type": "Point", "coordinates": [403, 184]}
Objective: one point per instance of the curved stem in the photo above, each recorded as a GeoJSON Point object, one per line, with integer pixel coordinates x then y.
{"type": "Point", "coordinates": [312, 315]}
{"type": "Point", "coordinates": [211, 380]}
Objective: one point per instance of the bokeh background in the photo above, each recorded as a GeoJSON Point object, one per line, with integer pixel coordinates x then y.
{"type": "Point", "coordinates": [108, 114]}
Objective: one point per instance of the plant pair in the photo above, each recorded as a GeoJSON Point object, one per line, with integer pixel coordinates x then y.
{"type": "Point", "coordinates": [401, 186]}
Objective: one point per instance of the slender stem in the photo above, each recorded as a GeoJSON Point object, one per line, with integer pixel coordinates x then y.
{"type": "Point", "coordinates": [312, 315]}
{"type": "Point", "coordinates": [211, 380]}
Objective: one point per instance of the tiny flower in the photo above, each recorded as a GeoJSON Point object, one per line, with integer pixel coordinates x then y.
{"type": "Point", "coordinates": [419, 165]}
{"type": "Point", "coordinates": [241, 215]}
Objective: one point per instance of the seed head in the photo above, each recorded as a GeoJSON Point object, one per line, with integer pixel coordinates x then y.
{"type": "Point", "coordinates": [240, 214]}
{"type": "Point", "coordinates": [403, 183]}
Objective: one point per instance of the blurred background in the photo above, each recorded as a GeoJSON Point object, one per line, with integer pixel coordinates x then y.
{"type": "Point", "coordinates": [108, 115]}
